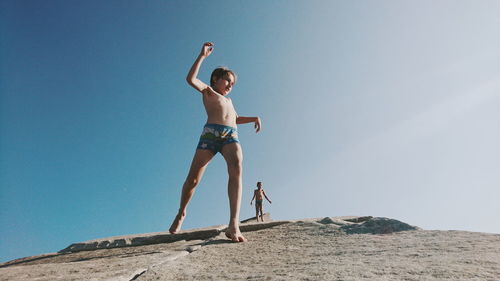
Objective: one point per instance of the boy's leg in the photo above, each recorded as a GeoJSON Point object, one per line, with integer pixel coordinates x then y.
{"type": "Point", "coordinates": [257, 212]}
{"type": "Point", "coordinates": [233, 155]}
{"type": "Point", "coordinates": [261, 213]}
{"type": "Point", "coordinates": [200, 161]}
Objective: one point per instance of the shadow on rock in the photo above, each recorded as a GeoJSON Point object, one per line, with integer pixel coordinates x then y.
{"type": "Point", "coordinates": [218, 241]}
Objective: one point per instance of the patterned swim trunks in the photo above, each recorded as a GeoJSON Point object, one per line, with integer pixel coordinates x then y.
{"type": "Point", "coordinates": [215, 136]}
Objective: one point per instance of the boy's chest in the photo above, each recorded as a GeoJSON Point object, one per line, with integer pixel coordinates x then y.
{"type": "Point", "coordinates": [218, 101]}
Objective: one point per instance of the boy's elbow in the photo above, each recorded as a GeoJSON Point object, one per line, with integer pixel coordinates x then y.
{"type": "Point", "coordinates": [193, 83]}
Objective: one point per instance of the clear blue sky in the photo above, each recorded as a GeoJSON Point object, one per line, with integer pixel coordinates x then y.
{"type": "Point", "coordinates": [382, 108]}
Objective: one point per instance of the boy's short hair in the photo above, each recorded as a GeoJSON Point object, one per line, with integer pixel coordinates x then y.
{"type": "Point", "coordinates": [220, 72]}
{"type": "Point", "coordinates": [259, 183]}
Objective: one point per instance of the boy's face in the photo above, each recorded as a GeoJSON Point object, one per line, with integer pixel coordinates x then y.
{"type": "Point", "coordinates": [225, 84]}
{"type": "Point", "coordinates": [259, 185]}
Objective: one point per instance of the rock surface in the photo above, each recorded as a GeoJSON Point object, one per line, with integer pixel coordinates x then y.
{"type": "Point", "coordinates": [377, 226]}
{"type": "Point", "coordinates": [332, 248]}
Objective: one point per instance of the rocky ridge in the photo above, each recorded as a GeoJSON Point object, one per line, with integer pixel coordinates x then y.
{"type": "Point", "coordinates": [192, 254]}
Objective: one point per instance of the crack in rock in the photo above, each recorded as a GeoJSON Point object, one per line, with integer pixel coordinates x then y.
{"type": "Point", "coordinates": [142, 271]}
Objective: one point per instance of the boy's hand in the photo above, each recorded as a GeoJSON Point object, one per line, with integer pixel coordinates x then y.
{"type": "Point", "coordinates": [257, 124]}
{"type": "Point", "coordinates": [207, 49]}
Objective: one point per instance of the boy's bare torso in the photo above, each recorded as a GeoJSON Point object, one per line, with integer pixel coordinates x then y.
{"type": "Point", "coordinates": [259, 194]}
{"type": "Point", "coordinates": [220, 110]}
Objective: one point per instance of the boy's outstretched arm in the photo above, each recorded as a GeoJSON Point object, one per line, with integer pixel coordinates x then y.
{"type": "Point", "coordinates": [252, 198]}
{"type": "Point", "coordinates": [263, 192]}
{"type": "Point", "coordinates": [244, 120]}
{"type": "Point", "coordinates": [192, 77]}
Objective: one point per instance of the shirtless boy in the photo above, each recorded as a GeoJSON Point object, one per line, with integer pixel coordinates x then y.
{"type": "Point", "coordinates": [219, 135]}
{"type": "Point", "coordinates": [258, 195]}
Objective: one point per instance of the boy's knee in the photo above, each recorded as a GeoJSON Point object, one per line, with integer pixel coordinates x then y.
{"type": "Point", "coordinates": [192, 181]}
{"type": "Point", "coordinates": [235, 166]}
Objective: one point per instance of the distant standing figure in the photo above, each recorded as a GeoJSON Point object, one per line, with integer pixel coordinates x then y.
{"type": "Point", "coordinates": [258, 195]}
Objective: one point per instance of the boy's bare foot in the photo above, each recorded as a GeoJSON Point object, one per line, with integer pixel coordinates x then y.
{"type": "Point", "coordinates": [177, 223]}
{"type": "Point", "coordinates": [234, 234]}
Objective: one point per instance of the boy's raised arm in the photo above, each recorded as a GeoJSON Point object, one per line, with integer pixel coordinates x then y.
{"type": "Point", "coordinates": [192, 77]}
